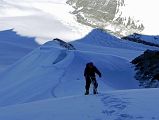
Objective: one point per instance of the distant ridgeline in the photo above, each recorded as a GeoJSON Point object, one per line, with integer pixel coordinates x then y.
{"type": "Point", "coordinates": [147, 69]}
{"type": "Point", "coordinates": [143, 39]}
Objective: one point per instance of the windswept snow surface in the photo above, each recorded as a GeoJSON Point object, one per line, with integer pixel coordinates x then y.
{"type": "Point", "coordinates": [119, 105]}
{"type": "Point", "coordinates": [43, 19]}
{"type": "Point", "coordinates": [43, 80]}
{"type": "Point", "coordinates": [13, 47]}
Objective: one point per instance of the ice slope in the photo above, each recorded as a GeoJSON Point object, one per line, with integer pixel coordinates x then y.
{"type": "Point", "coordinates": [13, 47]}
{"type": "Point", "coordinates": [118, 105]}
{"type": "Point", "coordinates": [53, 71]}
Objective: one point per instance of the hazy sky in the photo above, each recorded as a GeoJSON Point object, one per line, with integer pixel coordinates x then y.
{"type": "Point", "coordinates": [146, 11]}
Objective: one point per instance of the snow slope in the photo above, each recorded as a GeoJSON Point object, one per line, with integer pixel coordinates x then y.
{"type": "Point", "coordinates": [48, 82]}
{"type": "Point", "coordinates": [48, 71]}
{"type": "Point", "coordinates": [118, 105]}
{"type": "Point", "coordinates": [30, 77]}
{"type": "Point", "coordinates": [13, 47]}
{"type": "Point", "coordinates": [98, 37]}
{"type": "Point", "coordinates": [44, 80]}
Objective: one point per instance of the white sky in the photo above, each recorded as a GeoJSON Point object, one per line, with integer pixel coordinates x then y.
{"type": "Point", "coordinates": [146, 11]}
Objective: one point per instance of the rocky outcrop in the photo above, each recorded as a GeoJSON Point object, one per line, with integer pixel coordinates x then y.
{"type": "Point", "coordinates": [147, 68]}
{"type": "Point", "coordinates": [64, 44]}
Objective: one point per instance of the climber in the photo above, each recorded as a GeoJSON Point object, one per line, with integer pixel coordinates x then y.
{"type": "Point", "coordinates": [90, 77]}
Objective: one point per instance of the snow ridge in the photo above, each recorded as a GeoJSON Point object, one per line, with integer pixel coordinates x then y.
{"type": "Point", "coordinates": [49, 82]}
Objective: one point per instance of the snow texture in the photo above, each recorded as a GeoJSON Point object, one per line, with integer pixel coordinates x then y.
{"type": "Point", "coordinates": [48, 83]}
{"type": "Point", "coordinates": [13, 47]}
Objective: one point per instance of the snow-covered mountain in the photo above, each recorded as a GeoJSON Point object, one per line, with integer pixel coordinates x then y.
{"type": "Point", "coordinates": [73, 19]}
{"type": "Point", "coordinates": [50, 82]}
{"type": "Point", "coordinates": [48, 76]}
{"type": "Point", "coordinates": [46, 82]}
{"type": "Point", "coordinates": [151, 40]}
{"type": "Point", "coordinates": [99, 37]}
{"type": "Point", "coordinates": [31, 76]}
{"type": "Point", "coordinates": [121, 17]}
{"type": "Point", "coordinates": [106, 14]}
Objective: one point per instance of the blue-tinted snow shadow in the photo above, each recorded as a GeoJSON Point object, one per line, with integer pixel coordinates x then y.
{"type": "Point", "coordinates": [12, 37]}
{"type": "Point", "coordinates": [13, 47]}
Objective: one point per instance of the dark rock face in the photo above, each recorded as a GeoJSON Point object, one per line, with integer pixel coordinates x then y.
{"type": "Point", "coordinates": [138, 38]}
{"type": "Point", "coordinates": [65, 44]}
{"type": "Point", "coordinates": [147, 69]}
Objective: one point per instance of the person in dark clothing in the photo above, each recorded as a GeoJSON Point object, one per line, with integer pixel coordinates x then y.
{"type": "Point", "coordinates": [90, 77]}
